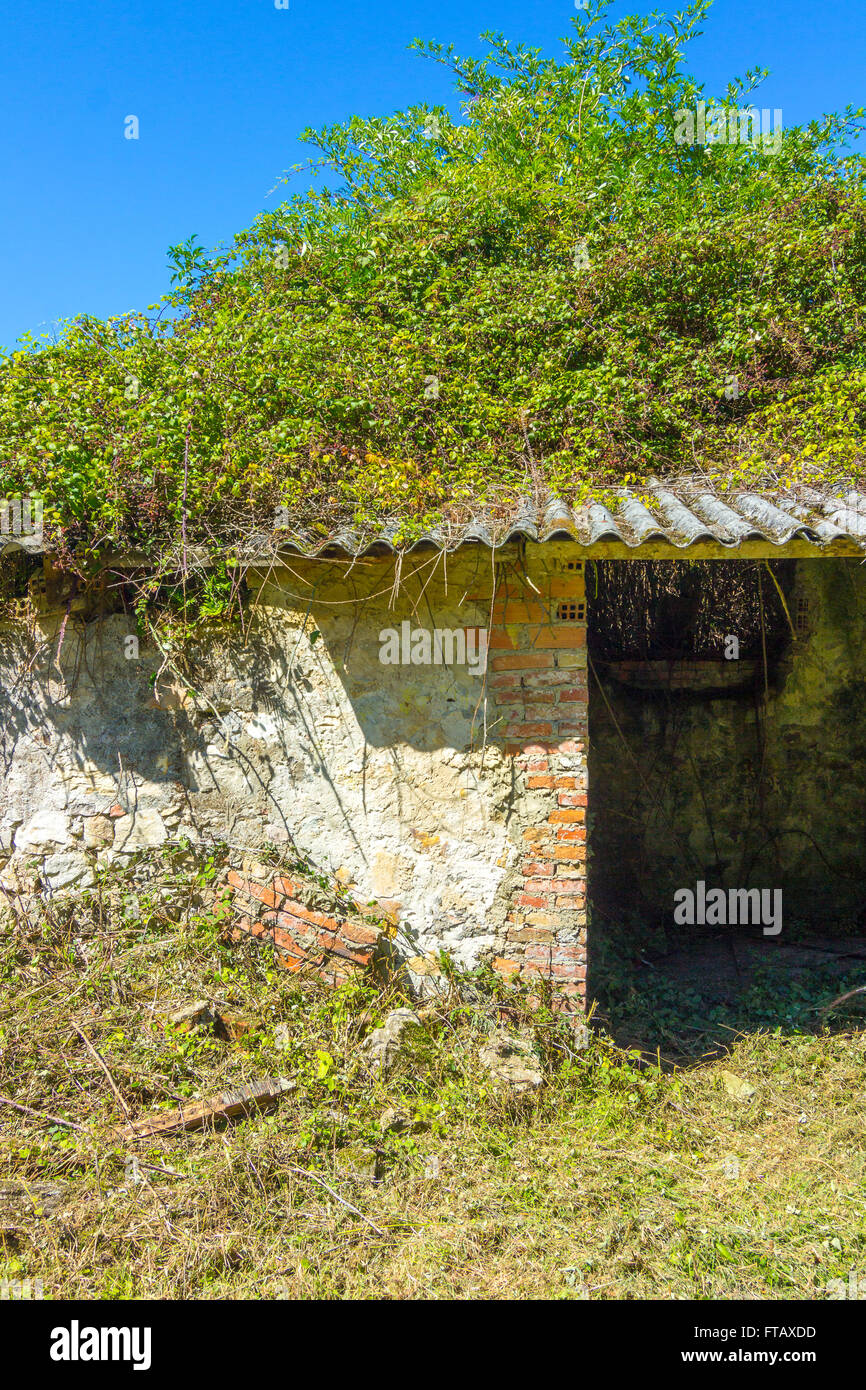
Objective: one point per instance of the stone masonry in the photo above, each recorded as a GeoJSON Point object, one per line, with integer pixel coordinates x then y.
{"type": "Point", "coordinates": [447, 801]}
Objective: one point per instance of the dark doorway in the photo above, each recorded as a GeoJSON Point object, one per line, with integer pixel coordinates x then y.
{"type": "Point", "coordinates": [727, 748]}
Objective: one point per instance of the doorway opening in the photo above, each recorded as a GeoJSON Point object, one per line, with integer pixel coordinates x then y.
{"type": "Point", "coordinates": [727, 754]}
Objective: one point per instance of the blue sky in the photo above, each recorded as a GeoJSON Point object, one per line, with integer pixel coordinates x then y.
{"type": "Point", "coordinates": [221, 89]}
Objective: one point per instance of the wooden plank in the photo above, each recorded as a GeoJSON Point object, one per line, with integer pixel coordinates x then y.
{"type": "Point", "coordinates": [241, 1101]}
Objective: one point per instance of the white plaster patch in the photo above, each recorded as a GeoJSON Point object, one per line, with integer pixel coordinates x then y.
{"type": "Point", "coordinates": [144, 830]}
{"type": "Point", "coordinates": [262, 727]}
{"type": "Point", "coordinates": [43, 829]}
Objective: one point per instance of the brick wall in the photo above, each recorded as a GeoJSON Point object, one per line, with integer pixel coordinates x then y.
{"type": "Point", "coordinates": [538, 680]}
{"type": "Point", "coordinates": [334, 943]}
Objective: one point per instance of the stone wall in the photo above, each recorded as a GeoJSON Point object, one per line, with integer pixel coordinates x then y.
{"type": "Point", "coordinates": [452, 800]}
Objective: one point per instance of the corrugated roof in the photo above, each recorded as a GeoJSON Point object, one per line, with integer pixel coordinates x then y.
{"type": "Point", "coordinates": [31, 544]}
{"type": "Point", "coordinates": [681, 514]}
{"type": "Point", "coordinates": [684, 514]}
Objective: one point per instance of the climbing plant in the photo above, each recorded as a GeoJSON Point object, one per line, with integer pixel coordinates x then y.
{"type": "Point", "coordinates": [561, 288]}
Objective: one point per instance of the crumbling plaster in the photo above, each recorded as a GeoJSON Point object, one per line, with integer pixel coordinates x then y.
{"type": "Point", "coordinates": [286, 729]}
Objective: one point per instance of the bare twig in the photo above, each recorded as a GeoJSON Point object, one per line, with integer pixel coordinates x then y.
{"type": "Point", "coordinates": [94, 1051]}
{"type": "Point", "coordinates": [348, 1205]}
{"type": "Point", "coordinates": [42, 1115]}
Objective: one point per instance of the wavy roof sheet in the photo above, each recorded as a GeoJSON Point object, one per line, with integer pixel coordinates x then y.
{"type": "Point", "coordinates": [681, 514]}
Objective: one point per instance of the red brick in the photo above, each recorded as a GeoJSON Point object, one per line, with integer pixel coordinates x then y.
{"type": "Point", "coordinates": [570, 951]}
{"type": "Point", "coordinates": [293, 910]}
{"type": "Point", "coordinates": [570, 798]}
{"type": "Point", "coordinates": [518, 612]}
{"type": "Point", "coordinates": [568, 635]}
{"type": "Point", "coordinates": [336, 946]}
{"type": "Point", "coordinates": [528, 900]}
{"type": "Point", "coordinates": [571, 834]}
{"type": "Point", "coordinates": [537, 868]}
{"type": "Point", "coordinates": [573, 587]}
{"type": "Point", "coordinates": [569, 746]}
{"type": "Point", "coordinates": [281, 939]}
{"type": "Point", "coordinates": [302, 931]}
{"type": "Point", "coordinates": [563, 817]}
{"type": "Point", "coordinates": [523, 661]}
{"type": "Point", "coordinates": [526, 714]}
{"type": "Point", "coordinates": [528, 730]}
{"type": "Point", "coordinates": [526, 704]}
{"type": "Point", "coordinates": [576, 853]}
{"type": "Point", "coordinates": [568, 971]}
{"type": "Point", "coordinates": [254, 890]}
{"type": "Point", "coordinates": [553, 678]}
{"type": "Point", "coordinates": [359, 933]}
{"type": "Point", "coordinates": [505, 967]}
{"type": "Point", "coordinates": [535, 783]}
{"type": "Point", "coordinates": [540, 961]}
{"type": "Point", "coordinates": [539, 952]}
{"type": "Point", "coordinates": [291, 887]}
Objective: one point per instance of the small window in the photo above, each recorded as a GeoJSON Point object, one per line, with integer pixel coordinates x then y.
{"type": "Point", "coordinates": [571, 566]}
{"type": "Point", "coordinates": [571, 612]}
{"type": "Point", "coordinates": [802, 613]}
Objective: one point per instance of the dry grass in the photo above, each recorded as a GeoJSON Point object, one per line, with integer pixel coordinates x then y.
{"type": "Point", "coordinates": [609, 1183]}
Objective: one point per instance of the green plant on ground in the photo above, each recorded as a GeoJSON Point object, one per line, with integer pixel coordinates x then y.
{"type": "Point", "coordinates": [617, 1179]}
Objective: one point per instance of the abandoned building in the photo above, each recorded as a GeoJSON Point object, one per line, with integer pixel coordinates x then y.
{"type": "Point", "coordinates": [504, 737]}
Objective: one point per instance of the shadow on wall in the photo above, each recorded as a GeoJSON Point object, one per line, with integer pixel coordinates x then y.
{"type": "Point", "coordinates": [293, 732]}
{"type": "Point", "coordinates": [408, 643]}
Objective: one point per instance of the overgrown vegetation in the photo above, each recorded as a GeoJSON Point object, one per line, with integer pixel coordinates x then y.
{"type": "Point", "coordinates": [653, 610]}
{"type": "Point", "coordinates": [615, 1180]}
{"type": "Point", "coordinates": [549, 292]}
